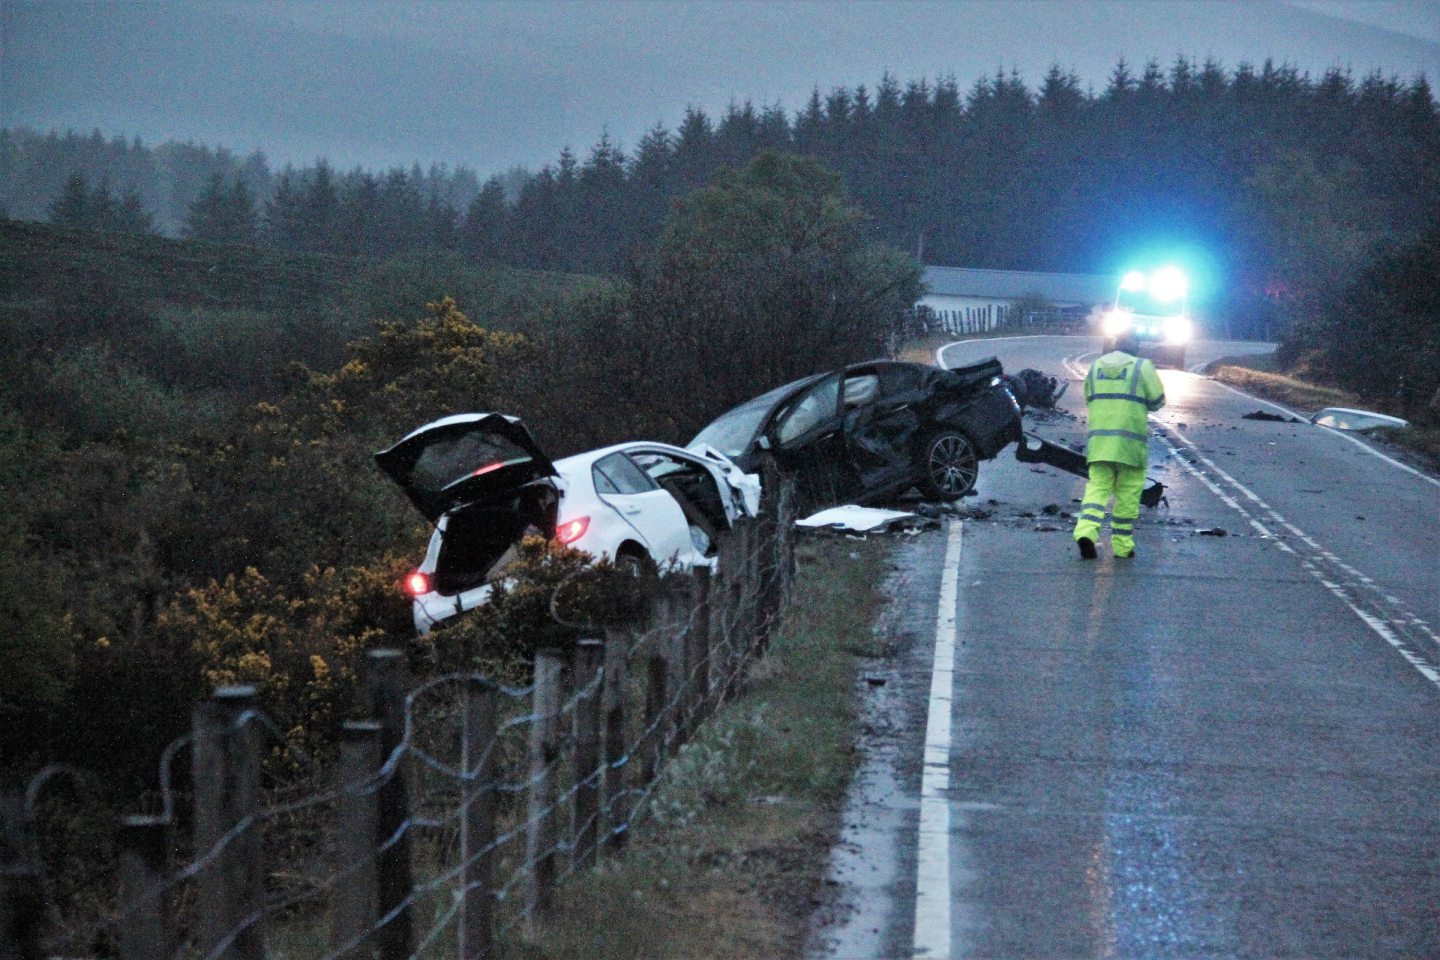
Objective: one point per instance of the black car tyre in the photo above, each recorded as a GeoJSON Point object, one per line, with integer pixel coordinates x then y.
{"type": "Point", "coordinates": [951, 466]}
{"type": "Point", "coordinates": [636, 562]}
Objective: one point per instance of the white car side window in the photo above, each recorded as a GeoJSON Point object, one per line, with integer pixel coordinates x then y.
{"type": "Point", "coordinates": [622, 476]}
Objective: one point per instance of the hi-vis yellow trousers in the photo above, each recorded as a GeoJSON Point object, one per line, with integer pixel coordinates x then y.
{"type": "Point", "coordinates": [1124, 483]}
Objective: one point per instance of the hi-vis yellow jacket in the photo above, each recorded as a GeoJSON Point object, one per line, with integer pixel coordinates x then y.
{"type": "Point", "coordinates": [1120, 391]}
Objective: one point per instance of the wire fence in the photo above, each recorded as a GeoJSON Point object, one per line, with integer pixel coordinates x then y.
{"type": "Point", "coordinates": [456, 808]}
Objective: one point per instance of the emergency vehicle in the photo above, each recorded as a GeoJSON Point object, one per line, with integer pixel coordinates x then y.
{"type": "Point", "coordinates": [1153, 306]}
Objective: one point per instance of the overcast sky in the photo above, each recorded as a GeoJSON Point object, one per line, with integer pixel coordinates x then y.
{"type": "Point", "coordinates": [509, 82]}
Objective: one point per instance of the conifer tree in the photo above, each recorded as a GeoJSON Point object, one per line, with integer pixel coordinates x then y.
{"type": "Point", "coordinates": [72, 207]}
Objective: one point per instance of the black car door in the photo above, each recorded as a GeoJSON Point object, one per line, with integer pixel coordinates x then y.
{"type": "Point", "coordinates": [808, 440]}
{"type": "Point", "coordinates": [882, 424]}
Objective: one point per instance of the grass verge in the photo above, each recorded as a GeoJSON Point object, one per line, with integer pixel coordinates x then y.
{"type": "Point", "coordinates": [732, 848]}
{"type": "Point", "coordinates": [1306, 397]}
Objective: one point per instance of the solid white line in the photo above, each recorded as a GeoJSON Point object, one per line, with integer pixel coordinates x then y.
{"type": "Point", "coordinates": [1381, 628]}
{"type": "Point", "coordinates": [932, 871]}
{"type": "Point", "coordinates": [1073, 369]}
{"type": "Point", "coordinates": [940, 351]}
{"type": "Point", "coordinates": [1337, 433]}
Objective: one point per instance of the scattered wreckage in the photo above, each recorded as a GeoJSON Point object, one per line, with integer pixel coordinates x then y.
{"type": "Point", "coordinates": [1344, 418]}
{"type": "Point", "coordinates": [874, 430]}
{"type": "Point", "coordinates": [484, 483]}
{"type": "Point", "coordinates": [1033, 389]}
{"type": "Point", "coordinates": [1033, 449]}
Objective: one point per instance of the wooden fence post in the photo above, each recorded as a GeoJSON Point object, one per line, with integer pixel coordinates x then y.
{"type": "Point", "coordinates": [357, 824]}
{"type": "Point", "coordinates": [697, 655]}
{"type": "Point", "coordinates": [477, 822]}
{"type": "Point", "coordinates": [617, 793]}
{"type": "Point", "coordinates": [736, 622]}
{"type": "Point", "coordinates": [674, 641]}
{"type": "Point", "coordinates": [586, 672]}
{"type": "Point", "coordinates": [788, 511]}
{"type": "Point", "coordinates": [540, 841]}
{"type": "Point", "coordinates": [386, 684]}
{"type": "Point", "coordinates": [652, 742]}
{"type": "Point", "coordinates": [143, 850]}
{"type": "Point", "coordinates": [22, 911]}
{"type": "Point", "coordinates": [226, 775]}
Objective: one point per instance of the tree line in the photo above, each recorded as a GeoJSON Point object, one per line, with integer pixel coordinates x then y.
{"type": "Point", "coordinates": [1242, 164]}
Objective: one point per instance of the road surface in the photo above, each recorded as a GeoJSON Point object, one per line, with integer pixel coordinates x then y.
{"type": "Point", "coordinates": [1227, 747]}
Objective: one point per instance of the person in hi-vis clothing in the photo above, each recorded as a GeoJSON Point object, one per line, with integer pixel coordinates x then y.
{"type": "Point", "coordinates": [1121, 391]}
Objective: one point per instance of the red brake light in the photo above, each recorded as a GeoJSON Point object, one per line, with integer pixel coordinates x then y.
{"type": "Point", "coordinates": [417, 583]}
{"type": "Point", "coordinates": [572, 530]}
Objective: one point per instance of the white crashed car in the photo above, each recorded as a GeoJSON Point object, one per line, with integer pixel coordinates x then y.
{"type": "Point", "coordinates": [484, 483]}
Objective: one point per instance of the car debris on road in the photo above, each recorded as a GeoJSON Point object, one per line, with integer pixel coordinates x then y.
{"type": "Point", "coordinates": [1270, 417]}
{"type": "Point", "coordinates": [1344, 418]}
{"type": "Point", "coordinates": [1033, 449]}
{"type": "Point", "coordinates": [856, 519]}
{"type": "Point", "coordinates": [1034, 389]}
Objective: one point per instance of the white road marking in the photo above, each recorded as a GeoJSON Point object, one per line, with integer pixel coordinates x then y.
{"type": "Point", "coordinates": [940, 351]}
{"type": "Point", "coordinates": [1338, 433]}
{"type": "Point", "coordinates": [1313, 561]}
{"type": "Point", "coordinates": [932, 872]}
{"type": "Point", "coordinates": [1073, 368]}
{"type": "Point", "coordinates": [1377, 621]}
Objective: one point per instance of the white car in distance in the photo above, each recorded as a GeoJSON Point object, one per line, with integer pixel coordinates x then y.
{"type": "Point", "coordinates": [484, 483]}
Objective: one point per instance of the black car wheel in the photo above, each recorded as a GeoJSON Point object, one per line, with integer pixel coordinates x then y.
{"type": "Point", "coordinates": [951, 466]}
{"type": "Point", "coordinates": [635, 561]}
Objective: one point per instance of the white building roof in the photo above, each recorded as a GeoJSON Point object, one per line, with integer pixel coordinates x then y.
{"type": "Point", "coordinates": [1079, 288]}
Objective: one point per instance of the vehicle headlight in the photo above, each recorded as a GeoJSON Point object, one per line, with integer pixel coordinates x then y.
{"type": "Point", "coordinates": [1115, 322]}
{"type": "Point", "coordinates": [1178, 330]}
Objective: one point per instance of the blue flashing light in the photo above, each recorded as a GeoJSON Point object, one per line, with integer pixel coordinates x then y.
{"type": "Point", "coordinates": [1168, 284]}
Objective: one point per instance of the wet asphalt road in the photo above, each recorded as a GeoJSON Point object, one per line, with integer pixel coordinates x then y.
{"type": "Point", "coordinates": [1229, 747]}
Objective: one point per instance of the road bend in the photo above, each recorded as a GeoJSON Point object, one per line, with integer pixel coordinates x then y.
{"type": "Point", "coordinates": [1224, 747]}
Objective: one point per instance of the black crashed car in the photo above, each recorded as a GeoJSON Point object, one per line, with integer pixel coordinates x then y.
{"type": "Point", "coordinates": [874, 430]}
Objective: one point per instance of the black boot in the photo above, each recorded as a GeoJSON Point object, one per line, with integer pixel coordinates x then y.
{"type": "Point", "coordinates": [1087, 548]}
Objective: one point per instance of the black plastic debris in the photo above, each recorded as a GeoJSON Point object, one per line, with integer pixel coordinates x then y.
{"type": "Point", "coordinates": [1213, 532]}
{"type": "Point", "coordinates": [1033, 449]}
{"type": "Point", "coordinates": [1050, 509]}
{"type": "Point", "coordinates": [1033, 389]}
{"type": "Point", "coordinates": [1270, 417]}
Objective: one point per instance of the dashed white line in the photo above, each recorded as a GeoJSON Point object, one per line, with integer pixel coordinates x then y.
{"type": "Point", "coordinates": [1344, 591]}
{"type": "Point", "coordinates": [1336, 433]}
{"type": "Point", "coordinates": [932, 871]}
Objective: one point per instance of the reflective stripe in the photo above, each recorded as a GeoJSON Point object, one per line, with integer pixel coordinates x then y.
{"type": "Point", "coordinates": [1157, 403]}
{"type": "Point", "coordinates": [1093, 518]}
{"type": "Point", "coordinates": [1093, 506]}
{"type": "Point", "coordinates": [1135, 375]}
{"type": "Point", "coordinates": [1128, 434]}
{"type": "Point", "coordinates": [1120, 396]}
